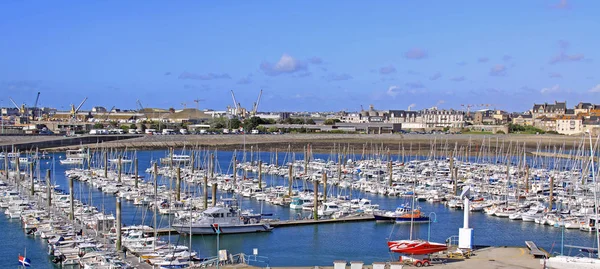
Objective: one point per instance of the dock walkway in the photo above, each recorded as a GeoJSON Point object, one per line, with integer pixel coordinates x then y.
{"type": "Point", "coordinates": [285, 223]}
{"type": "Point", "coordinates": [535, 251]}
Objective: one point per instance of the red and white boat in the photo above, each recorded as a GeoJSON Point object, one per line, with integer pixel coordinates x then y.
{"type": "Point", "coordinates": [416, 247]}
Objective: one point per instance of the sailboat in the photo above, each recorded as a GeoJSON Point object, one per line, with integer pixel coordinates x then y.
{"type": "Point", "coordinates": [569, 262]}
{"type": "Point", "coordinates": [415, 247]}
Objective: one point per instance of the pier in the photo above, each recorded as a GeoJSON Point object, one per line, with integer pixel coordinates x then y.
{"type": "Point", "coordinates": [289, 223]}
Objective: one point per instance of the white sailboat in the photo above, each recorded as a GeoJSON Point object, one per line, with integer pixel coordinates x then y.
{"type": "Point", "coordinates": [569, 262]}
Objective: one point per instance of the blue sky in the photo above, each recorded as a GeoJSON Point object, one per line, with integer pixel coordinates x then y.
{"type": "Point", "coordinates": [305, 55]}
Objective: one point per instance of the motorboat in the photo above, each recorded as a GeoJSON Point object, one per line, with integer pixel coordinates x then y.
{"type": "Point", "coordinates": [416, 247]}
{"type": "Point", "coordinates": [72, 161]}
{"type": "Point", "coordinates": [222, 219]}
{"type": "Point", "coordinates": [402, 214]}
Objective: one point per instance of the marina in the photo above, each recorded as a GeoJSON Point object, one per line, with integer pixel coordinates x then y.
{"type": "Point", "coordinates": [350, 193]}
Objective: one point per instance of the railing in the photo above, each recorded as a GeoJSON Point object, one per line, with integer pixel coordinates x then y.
{"type": "Point", "coordinates": [452, 241]}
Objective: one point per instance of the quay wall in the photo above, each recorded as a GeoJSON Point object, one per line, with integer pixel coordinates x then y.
{"type": "Point", "coordinates": [320, 143]}
{"type": "Point", "coordinates": [26, 143]}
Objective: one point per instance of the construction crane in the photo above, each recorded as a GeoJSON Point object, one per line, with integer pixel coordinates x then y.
{"type": "Point", "coordinates": [197, 101]}
{"type": "Point", "coordinates": [37, 98]}
{"type": "Point", "coordinates": [468, 106]}
{"type": "Point", "coordinates": [255, 106]}
{"type": "Point", "coordinates": [75, 110]}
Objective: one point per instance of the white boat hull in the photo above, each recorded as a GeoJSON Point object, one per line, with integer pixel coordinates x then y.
{"type": "Point", "coordinates": [207, 229]}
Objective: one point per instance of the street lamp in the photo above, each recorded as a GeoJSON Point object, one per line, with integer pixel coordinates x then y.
{"type": "Point", "coordinates": [429, 225]}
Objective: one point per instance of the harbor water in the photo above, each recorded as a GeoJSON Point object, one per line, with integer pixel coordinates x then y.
{"type": "Point", "coordinates": [308, 245]}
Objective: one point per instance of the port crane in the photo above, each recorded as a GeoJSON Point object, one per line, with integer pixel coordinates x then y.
{"type": "Point", "coordinates": [22, 110]}
{"type": "Point", "coordinates": [107, 113]}
{"type": "Point", "coordinates": [75, 110]}
{"type": "Point", "coordinates": [236, 106]}
{"type": "Point", "coordinates": [255, 106]}
{"type": "Point", "coordinates": [37, 98]}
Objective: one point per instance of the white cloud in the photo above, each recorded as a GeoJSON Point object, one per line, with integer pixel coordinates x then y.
{"type": "Point", "coordinates": [286, 64]}
{"type": "Point", "coordinates": [553, 89]}
{"type": "Point", "coordinates": [393, 91]}
{"type": "Point", "coordinates": [595, 89]}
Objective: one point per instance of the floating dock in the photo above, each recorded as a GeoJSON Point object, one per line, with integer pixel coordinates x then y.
{"type": "Point", "coordinates": [286, 223]}
{"type": "Point", "coordinates": [289, 223]}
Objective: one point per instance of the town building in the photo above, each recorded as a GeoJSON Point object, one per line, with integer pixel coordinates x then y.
{"type": "Point", "coordinates": [569, 125]}
{"type": "Point", "coordinates": [435, 118]}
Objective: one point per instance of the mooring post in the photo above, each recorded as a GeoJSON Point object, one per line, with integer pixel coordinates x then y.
{"type": "Point", "coordinates": [120, 167]}
{"type": "Point", "coordinates": [316, 200]}
{"type": "Point", "coordinates": [527, 178]}
{"type": "Point", "coordinates": [290, 179]}
{"type": "Point", "coordinates": [178, 186]}
{"type": "Point", "coordinates": [234, 170]}
{"type": "Point", "coordinates": [118, 223]}
{"type": "Point", "coordinates": [18, 169]}
{"type": "Point", "coordinates": [135, 164]}
{"type": "Point", "coordinates": [48, 189]}
{"type": "Point", "coordinates": [551, 197]}
{"type": "Point", "coordinates": [6, 169]}
{"type": "Point", "coordinates": [260, 174]}
{"type": "Point", "coordinates": [324, 186]}
{"type": "Point", "coordinates": [72, 211]}
{"type": "Point", "coordinates": [105, 164]}
{"type": "Point", "coordinates": [390, 170]}
{"type": "Point", "coordinates": [214, 194]}
{"type": "Point", "coordinates": [31, 178]}
{"type": "Point", "coordinates": [212, 166]}
{"type": "Point", "coordinates": [205, 192]}
{"type": "Point", "coordinates": [193, 162]}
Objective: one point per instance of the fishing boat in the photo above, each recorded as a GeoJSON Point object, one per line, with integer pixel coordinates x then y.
{"type": "Point", "coordinates": [229, 220]}
{"type": "Point", "coordinates": [416, 247]}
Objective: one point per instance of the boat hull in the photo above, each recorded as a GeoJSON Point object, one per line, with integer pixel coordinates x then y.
{"type": "Point", "coordinates": [416, 247]}
{"type": "Point", "coordinates": [236, 229]}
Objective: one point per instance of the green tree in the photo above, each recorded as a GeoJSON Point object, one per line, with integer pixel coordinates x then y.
{"type": "Point", "coordinates": [273, 129]}
{"type": "Point", "coordinates": [124, 128]}
{"type": "Point", "coordinates": [218, 123]}
{"type": "Point", "coordinates": [252, 123]}
{"type": "Point", "coordinates": [235, 123]}
{"type": "Point", "coordinates": [98, 126]}
{"type": "Point", "coordinates": [331, 121]}
{"type": "Point", "coordinates": [133, 126]}
{"type": "Point", "coordinates": [310, 121]}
